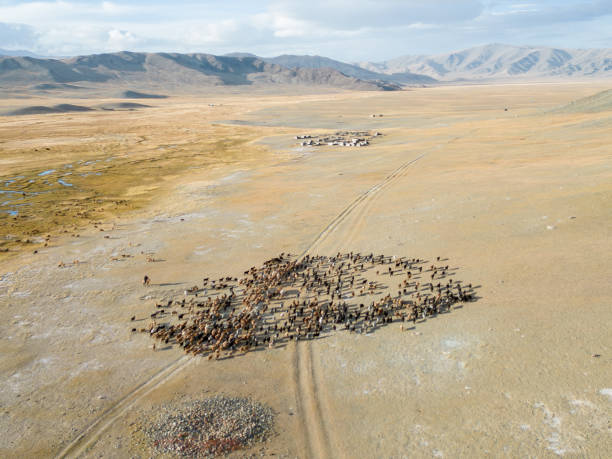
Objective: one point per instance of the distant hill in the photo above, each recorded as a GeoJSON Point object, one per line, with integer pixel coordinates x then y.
{"type": "Point", "coordinates": [240, 55]}
{"type": "Point", "coordinates": [111, 106]}
{"type": "Point", "coordinates": [42, 109]}
{"type": "Point", "coordinates": [319, 62]}
{"type": "Point", "coordinates": [142, 95]}
{"type": "Point", "coordinates": [503, 62]}
{"type": "Point", "coordinates": [171, 70]}
{"type": "Point", "coordinates": [600, 102]}
{"type": "Point", "coordinates": [54, 86]}
{"type": "Point", "coordinates": [70, 108]}
{"type": "Point", "coordinates": [18, 52]}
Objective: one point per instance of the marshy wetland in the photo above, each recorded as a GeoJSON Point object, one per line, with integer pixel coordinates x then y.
{"type": "Point", "coordinates": [60, 176]}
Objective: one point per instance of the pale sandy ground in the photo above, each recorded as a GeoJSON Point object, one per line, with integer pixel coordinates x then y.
{"type": "Point", "coordinates": [454, 176]}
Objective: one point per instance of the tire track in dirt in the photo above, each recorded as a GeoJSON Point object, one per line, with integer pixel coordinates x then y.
{"type": "Point", "coordinates": [358, 218]}
{"type": "Point", "coordinates": [92, 434]}
{"type": "Point", "coordinates": [339, 219]}
{"type": "Point", "coordinates": [310, 393]}
{"type": "Point", "coordinates": [306, 383]}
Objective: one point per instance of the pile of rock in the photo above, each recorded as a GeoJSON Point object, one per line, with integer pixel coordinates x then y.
{"type": "Point", "coordinates": [209, 427]}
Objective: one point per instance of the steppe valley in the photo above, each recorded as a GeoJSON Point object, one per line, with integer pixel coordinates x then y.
{"type": "Point", "coordinates": [503, 186]}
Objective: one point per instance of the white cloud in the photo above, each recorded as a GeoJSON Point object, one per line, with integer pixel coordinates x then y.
{"type": "Point", "coordinates": [17, 36]}
{"type": "Point", "coordinates": [43, 13]}
{"type": "Point", "coordinates": [346, 29]}
{"type": "Point", "coordinates": [283, 26]}
{"type": "Point", "coordinates": [351, 14]}
{"type": "Point", "coordinates": [210, 33]}
{"type": "Point", "coordinates": [121, 40]}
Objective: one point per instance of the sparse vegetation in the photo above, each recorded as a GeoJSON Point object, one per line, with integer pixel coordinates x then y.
{"type": "Point", "coordinates": [71, 184]}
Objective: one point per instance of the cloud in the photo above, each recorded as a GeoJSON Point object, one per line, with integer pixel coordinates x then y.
{"type": "Point", "coordinates": [546, 12]}
{"type": "Point", "coordinates": [345, 29]}
{"type": "Point", "coordinates": [17, 36]}
{"type": "Point", "coordinates": [121, 39]}
{"type": "Point", "coordinates": [351, 14]}
{"type": "Point", "coordinates": [41, 13]}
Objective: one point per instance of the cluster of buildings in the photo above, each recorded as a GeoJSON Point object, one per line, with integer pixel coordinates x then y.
{"type": "Point", "coordinates": [341, 138]}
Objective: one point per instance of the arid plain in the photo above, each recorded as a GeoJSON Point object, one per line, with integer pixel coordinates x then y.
{"type": "Point", "coordinates": [513, 189]}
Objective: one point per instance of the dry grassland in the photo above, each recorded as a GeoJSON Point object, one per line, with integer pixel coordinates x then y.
{"type": "Point", "coordinates": [61, 173]}
{"type": "Point", "coordinates": [519, 200]}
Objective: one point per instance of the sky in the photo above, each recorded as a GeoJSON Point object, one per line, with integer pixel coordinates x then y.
{"type": "Point", "coordinates": [347, 30]}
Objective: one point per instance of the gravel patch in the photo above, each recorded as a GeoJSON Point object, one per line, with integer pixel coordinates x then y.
{"type": "Point", "coordinates": [209, 427]}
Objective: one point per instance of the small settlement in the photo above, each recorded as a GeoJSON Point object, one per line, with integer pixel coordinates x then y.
{"type": "Point", "coordinates": [340, 138]}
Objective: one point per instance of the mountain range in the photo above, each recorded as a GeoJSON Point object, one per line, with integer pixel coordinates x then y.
{"type": "Point", "coordinates": [18, 52]}
{"type": "Point", "coordinates": [502, 62]}
{"type": "Point", "coordinates": [315, 62]}
{"type": "Point", "coordinates": [173, 70]}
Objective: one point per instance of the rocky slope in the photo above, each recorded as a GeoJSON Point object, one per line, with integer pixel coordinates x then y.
{"type": "Point", "coordinates": [171, 70]}
{"type": "Point", "coordinates": [319, 62]}
{"type": "Point", "coordinates": [497, 61]}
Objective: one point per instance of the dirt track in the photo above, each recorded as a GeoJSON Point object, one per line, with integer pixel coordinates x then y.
{"type": "Point", "coordinates": [493, 191]}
